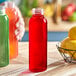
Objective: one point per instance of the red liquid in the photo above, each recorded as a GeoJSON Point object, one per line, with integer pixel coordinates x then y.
{"type": "Point", "coordinates": [13, 18]}
{"type": "Point", "coordinates": [37, 43]}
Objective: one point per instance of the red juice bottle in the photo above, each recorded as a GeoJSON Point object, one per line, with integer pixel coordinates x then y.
{"type": "Point", "coordinates": [37, 41]}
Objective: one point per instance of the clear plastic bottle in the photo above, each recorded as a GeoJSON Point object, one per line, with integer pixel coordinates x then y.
{"type": "Point", "coordinates": [37, 41]}
{"type": "Point", "coordinates": [4, 38]}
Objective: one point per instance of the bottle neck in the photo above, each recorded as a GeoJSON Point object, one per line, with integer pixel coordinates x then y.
{"type": "Point", "coordinates": [37, 11]}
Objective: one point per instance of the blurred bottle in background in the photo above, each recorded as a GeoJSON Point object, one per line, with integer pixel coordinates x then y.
{"type": "Point", "coordinates": [52, 10]}
{"type": "Point", "coordinates": [13, 19]}
{"type": "Point", "coordinates": [48, 8]}
{"type": "Point", "coordinates": [57, 11]}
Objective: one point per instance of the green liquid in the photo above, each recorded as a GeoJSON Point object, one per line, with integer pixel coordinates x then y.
{"type": "Point", "coordinates": [4, 40]}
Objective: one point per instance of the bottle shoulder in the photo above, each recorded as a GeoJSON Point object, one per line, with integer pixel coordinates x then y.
{"type": "Point", "coordinates": [38, 18]}
{"type": "Point", "coordinates": [45, 20]}
{"type": "Point", "coordinates": [4, 17]}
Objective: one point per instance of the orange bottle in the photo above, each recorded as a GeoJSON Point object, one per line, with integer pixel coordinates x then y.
{"type": "Point", "coordinates": [13, 18]}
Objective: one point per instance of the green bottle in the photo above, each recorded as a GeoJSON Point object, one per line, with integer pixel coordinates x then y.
{"type": "Point", "coordinates": [4, 38]}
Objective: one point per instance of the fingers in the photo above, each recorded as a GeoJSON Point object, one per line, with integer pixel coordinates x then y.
{"type": "Point", "coordinates": [19, 32]}
{"type": "Point", "coordinates": [20, 23]}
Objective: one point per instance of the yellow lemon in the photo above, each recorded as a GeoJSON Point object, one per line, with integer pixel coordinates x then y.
{"type": "Point", "coordinates": [67, 43]}
{"type": "Point", "coordinates": [72, 33]}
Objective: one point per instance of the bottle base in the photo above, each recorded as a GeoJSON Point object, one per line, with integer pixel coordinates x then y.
{"type": "Point", "coordinates": [37, 70]}
{"type": "Point", "coordinates": [4, 65]}
{"type": "Point", "coordinates": [13, 57]}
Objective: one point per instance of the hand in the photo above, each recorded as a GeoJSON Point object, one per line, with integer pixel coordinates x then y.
{"type": "Point", "coordinates": [19, 32]}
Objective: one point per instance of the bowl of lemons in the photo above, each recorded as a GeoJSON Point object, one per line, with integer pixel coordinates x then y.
{"type": "Point", "coordinates": [67, 47]}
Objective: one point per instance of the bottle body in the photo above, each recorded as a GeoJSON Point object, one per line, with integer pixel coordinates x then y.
{"type": "Point", "coordinates": [4, 40]}
{"type": "Point", "coordinates": [13, 18]}
{"type": "Point", "coordinates": [37, 43]}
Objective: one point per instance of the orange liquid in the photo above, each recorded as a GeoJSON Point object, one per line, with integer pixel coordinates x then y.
{"type": "Point", "coordinates": [13, 18]}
